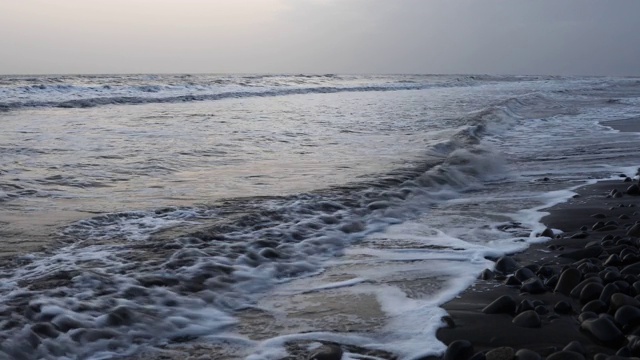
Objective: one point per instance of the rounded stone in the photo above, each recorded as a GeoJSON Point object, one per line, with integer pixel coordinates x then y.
{"type": "Point", "coordinates": [526, 354]}
{"type": "Point", "coordinates": [568, 280]}
{"type": "Point", "coordinates": [595, 306]}
{"type": "Point", "coordinates": [524, 274]}
{"type": "Point", "coordinates": [590, 292]}
{"type": "Point", "coordinates": [576, 346]}
{"type": "Point", "coordinates": [627, 315]}
{"type": "Point", "coordinates": [562, 307]}
{"type": "Point", "coordinates": [503, 305]}
{"type": "Point", "coordinates": [533, 286]}
{"type": "Point", "coordinates": [458, 350]}
{"type": "Point", "coordinates": [619, 300]}
{"type": "Point", "coordinates": [604, 330]}
{"type": "Point", "coordinates": [327, 352]}
{"type": "Point", "coordinates": [528, 319]}
{"type": "Point", "coordinates": [501, 353]}
{"type": "Point", "coordinates": [506, 265]}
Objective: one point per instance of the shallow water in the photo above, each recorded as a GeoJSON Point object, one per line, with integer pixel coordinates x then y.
{"type": "Point", "coordinates": [246, 215]}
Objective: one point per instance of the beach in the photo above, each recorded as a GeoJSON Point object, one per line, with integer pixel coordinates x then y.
{"type": "Point", "coordinates": [591, 231]}
{"type": "Point", "coordinates": [269, 217]}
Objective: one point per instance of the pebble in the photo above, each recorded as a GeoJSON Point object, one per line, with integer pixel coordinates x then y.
{"type": "Point", "coordinates": [568, 280]}
{"type": "Point", "coordinates": [327, 352]}
{"type": "Point", "coordinates": [604, 330]}
{"type": "Point", "coordinates": [506, 265]}
{"type": "Point", "coordinates": [457, 350]}
{"type": "Point", "coordinates": [590, 292]}
{"type": "Point", "coordinates": [595, 306]}
{"type": "Point", "coordinates": [619, 300]}
{"type": "Point", "coordinates": [528, 319]}
{"type": "Point", "coordinates": [627, 315]}
{"type": "Point", "coordinates": [526, 354]}
{"type": "Point", "coordinates": [562, 307]}
{"type": "Point", "coordinates": [634, 231]}
{"type": "Point", "coordinates": [501, 353]}
{"type": "Point", "coordinates": [503, 305]}
{"type": "Point", "coordinates": [533, 286]}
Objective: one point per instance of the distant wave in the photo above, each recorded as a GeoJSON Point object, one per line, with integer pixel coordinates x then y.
{"type": "Point", "coordinates": [135, 100]}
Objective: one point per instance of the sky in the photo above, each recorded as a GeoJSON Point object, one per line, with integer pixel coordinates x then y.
{"type": "Point", "coordinates": [550, 37]}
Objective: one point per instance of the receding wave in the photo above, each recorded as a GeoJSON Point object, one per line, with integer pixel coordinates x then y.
{"type": "Point", "coordinates": [138, 279]}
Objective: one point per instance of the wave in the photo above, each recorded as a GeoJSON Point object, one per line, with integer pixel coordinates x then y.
{"type": "Point", "coordinates": [137, 279]}
{"type": "Point", "coordinates": [136, 100]}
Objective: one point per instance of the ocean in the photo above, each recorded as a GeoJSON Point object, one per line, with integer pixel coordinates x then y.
{"type": "Point", "coordinates": [260, 216]}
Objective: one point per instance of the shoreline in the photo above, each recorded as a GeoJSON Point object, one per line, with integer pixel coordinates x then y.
{"type": "Point", "coordinates": [544, 324]}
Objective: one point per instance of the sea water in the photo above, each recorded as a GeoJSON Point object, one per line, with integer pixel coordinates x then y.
{"type": "Point", "coordinates": [257, 216]}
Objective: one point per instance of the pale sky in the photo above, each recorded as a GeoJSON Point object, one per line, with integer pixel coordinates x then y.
{"type": "Point", "coordinates": [565, 37]}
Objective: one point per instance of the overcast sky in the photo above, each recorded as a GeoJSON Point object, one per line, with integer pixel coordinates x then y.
{"type": "Point", "coordinates": [594, 37]}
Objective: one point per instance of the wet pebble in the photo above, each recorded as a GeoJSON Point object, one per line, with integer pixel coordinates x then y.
{"type": "Point", "coordinates": [526, 354]}
{"type": "Point", "coordinates": [603, 330]}
{"type": "Point", "coordinates": [501, 353]}
{"type": "Point", "coordinates": [503, 305]}
{"type": "Point", "coordinates": [458, 350]}
{"type": "Point", "coordinates": [327, 352]}
{"type": "Point", "coordinates": [528, 319]}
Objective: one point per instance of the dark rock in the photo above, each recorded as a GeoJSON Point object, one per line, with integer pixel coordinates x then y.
{"type": "Point", "coordinates": [449, 321]}
{"type": "Point", "coordinates": [501, 353]}
{"type": "Point", "coordinates": [590, 252]}
{"type": "Point", "coordinates": [562, 307]}
{"type": "Point", "coordinates": [605, 295]}
{"type": "Point", "coordinates": [547, 233]}
{"type": "Point", "coordinates": [486, 274]}
{"type": "Point", "coordinates": [526, 354]}
{"type": "Point", "coordinates": [619, 300]}
{"type": "Point", "coordinates": [613, 260]}
{"type": "Point", "coordinates": [624, 217]}
{"type": "Point", "coordinates": [525, 305]}
{"type": "Point", "coordinates": [503, 305]}
{"type": "Point", "coordinates": [578, 289]}
{"type": "Point", "coordinates": [599, 216]}
{"type": "Point", "coordinates": [506, 265]}
{"type": "Point", "coordinates": [595, 306]}
{"type": "Point", "coordinates": [634, 231]}
{"type": "Point", "coordinates": [627, 315]}
{"type": "Point", "coordinates": [528, 319]}
{"type": "Point", "coordinates": [633, 190]}
{"type": "Point", "coordinates": [633, 269]}
{"type": "Point", "coordinates": [551, 282]}
{"type": "Point", "coordinates": [512, 281]}
{"type": "Point", "coordinates": [635, 288]}
{"type": "Point", "coordinates": [590, 292]}
{"type": "Point", "coordinates": [569, 279]}
{"type": "Point", "coordinates": [604, 330]}
{"type": "Point", "coordinates": [566, 355]}
{"type": "Point", "coordinates": [334, 352]}
{"type": "Point", "coordinates": [586, 315]}
{"type": "Point", "coordinates": [523, 274]}
{"type": "Point", "coordinates": [533, 286]}
{"type": "Point", "coordinates": [545, 272]}
{"type": "Point", "coordinates": [584, 228]}
{"type": "Point", "coordinates": [597, 225]}
{"type": "Point", "coordinates": [458, 350]}
{"type": "Point", "coordinates": [623, 352]}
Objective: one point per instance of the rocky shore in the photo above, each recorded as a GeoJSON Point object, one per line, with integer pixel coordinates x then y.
{"type": "Point", "coordinates": [575, 297]}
